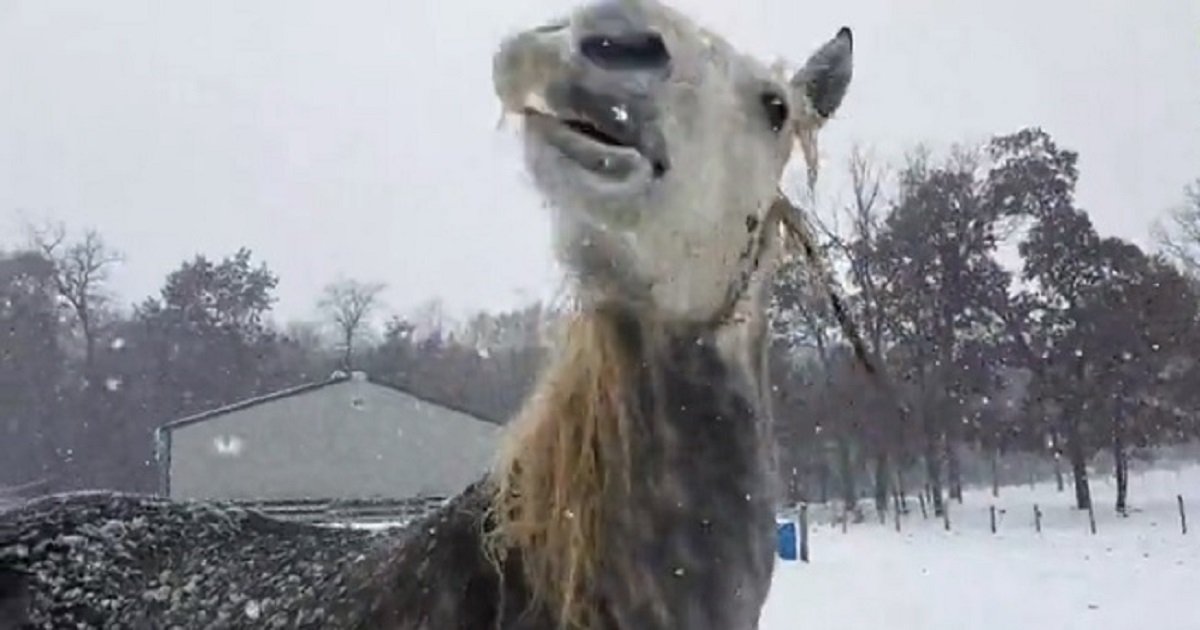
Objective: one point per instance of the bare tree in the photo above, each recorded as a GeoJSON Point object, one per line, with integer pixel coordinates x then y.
{"type": "Point", "coordinates": [803, 323]}
{"type": "Point", "coordinates": [349, 304]}
{"type": "Point", "coordinates": [857, 245]}
{"type": "Point", "coordinates": [431, 319]}
{"type": "Point", "coordinates": [81, 270]}
{"type": "Point", "coordinates": [1180, 238]}
{"type": "Point", "coordinates": [866, 214]}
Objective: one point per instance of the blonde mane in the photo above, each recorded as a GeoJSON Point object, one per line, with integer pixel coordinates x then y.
{"type": "Point", "coordinates": [565, 460]}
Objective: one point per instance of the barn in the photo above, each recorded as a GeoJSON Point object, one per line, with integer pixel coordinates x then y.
{"type": "Point", "coordinates": [346, 438]}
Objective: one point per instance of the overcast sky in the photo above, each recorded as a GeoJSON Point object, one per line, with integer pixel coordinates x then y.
{"type": "Point", "coordinates": [359, 138]}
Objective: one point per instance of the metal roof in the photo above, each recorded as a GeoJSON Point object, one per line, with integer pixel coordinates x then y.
{"type": "Point", "coordinates": [336, 379]}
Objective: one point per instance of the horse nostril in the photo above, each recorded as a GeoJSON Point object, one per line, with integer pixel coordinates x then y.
{"type": "Point", "coordinates": [629, 51]}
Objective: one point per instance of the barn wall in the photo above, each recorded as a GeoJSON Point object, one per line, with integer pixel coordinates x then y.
{"type": "Point", "coordinates": [353, 439]}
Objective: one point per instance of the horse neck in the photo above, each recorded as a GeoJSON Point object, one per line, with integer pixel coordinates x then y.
{"type": "Point", "coordinates": [699, 414]}
{"type": "Point", "coordinates": [690, 543]}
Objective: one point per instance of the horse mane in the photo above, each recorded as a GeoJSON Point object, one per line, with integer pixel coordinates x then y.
{"type": "Point", "coordinates": [562, 466]}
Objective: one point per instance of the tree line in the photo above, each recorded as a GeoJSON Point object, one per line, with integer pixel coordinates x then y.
{"type": "Point", "coordinates": [1086, 345]}
{"type": "Point", "coordinates": [1081, 344]}
{"type": "Point", "coordinates": [85, 381]}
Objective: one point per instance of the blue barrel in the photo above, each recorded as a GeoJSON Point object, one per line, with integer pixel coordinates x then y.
{"type": "Point", "coordinates": [787, 539]}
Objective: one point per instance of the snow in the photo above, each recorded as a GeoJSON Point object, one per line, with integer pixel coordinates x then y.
{"type": "Point", "coordinates": [369, 526]}
{"type": "Point", "coordinates": [1136, 571]}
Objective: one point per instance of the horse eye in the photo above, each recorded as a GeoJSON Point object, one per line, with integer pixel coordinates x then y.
{"type": "Point", "coordinates": [776, 109]}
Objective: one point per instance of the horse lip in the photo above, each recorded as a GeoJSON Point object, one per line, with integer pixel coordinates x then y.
{"type": "Point", "coordinates": [648, 145]}
{"type": "Point", "coordinates": [622, 119]}
{"type": "Point", "coordinates": [583, 126]}
{"type": "Point", "coordinates": [622, 111]}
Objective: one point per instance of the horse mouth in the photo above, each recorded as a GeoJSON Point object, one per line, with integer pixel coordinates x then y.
{"type": "Point", "coordinates": [605, 145]}
{"type": "Point", "coordinates": [596, 134]}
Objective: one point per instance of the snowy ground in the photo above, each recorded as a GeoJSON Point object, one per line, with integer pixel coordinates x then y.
{"type": "Point", "coordinates": [1135, 572]}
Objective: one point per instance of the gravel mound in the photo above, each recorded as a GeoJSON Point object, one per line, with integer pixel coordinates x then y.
{"type": "Point", "coordinates": [109, 560]}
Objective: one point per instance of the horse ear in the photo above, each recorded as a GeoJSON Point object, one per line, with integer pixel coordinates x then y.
{"type": "Point", "coordinates": [825, 77]}
{"type": "Point", "coordinates": [819, 88]}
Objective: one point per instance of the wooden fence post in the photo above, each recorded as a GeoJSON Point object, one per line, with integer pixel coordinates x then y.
{"type": "Point", "coordinates": [1182, 515]}
{"type": "Point", "coordinates": [924, 513]}
{"type": "Point", "coordinates": [946, 514]}
{"type": "Point", "coordinates": [1037, 518]}
{"type": "Point", "coordinates": [1092, 517]}
{"type": "Point", "coordinates": [804, 532]}
{"type": "Point", "coordinates": [992, 514]}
